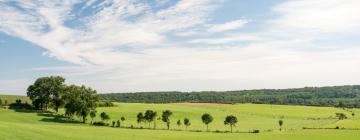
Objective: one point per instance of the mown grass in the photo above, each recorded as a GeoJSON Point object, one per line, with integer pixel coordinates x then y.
{"type": "Point", "coordinates": [17, 125]}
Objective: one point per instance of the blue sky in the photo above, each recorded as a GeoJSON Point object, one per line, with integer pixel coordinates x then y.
{"type": "Point", "coordinates": [184, 45]}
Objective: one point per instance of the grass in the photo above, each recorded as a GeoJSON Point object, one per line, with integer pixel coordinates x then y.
{"type": "Point", "coordinates": [16, 125]}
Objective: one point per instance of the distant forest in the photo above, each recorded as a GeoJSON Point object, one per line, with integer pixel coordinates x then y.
{"type": "Point", "coordinates": [337, 96]}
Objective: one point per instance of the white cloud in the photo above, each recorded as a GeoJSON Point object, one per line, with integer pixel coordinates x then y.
{"type": "Point", "coordinates": [319, 15]}
{"type": "Point", "coordinates": [233, 25]}
{"type": "Point", "coordinates": [126, 45]}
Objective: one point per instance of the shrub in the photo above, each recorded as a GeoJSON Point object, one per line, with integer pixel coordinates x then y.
{"type": "Point", "coordinates": [337, 127]}
{"type": "Point", "coordinates": [99, 124]}
{"type": "Point", "coordinates": [256, 131]}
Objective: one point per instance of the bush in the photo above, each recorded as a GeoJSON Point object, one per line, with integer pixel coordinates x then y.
{"type": "Point", "coordinates": [20, 105]}
{"type": "Point", "coordinates": [100, 124]}
{"type": "Point", "coordinates": [337, 127]}
{"type": "Point", "coordinates": [255, 131]}
{"type": "Point", "coordinates": [105, 104]}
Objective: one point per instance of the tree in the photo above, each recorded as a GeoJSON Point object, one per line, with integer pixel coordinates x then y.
{"type": "Point", "coordinates": [140, 118]}
{"type": "Point", "coordinates": [206, 119]}
{"type": "Point", "coordinates": [5, 102]}
{"type": "Point", "coordinates": [117, 123]}
{"type": "Point", "coordinates": [113, 123]}
{"type": "Point", "coordinates": [187, 122]}
{"type": "Point", "coordinates": [341, 116]}
{"type": "Point", "coordinates": [122, 118]}
{"type": "Point", "coordinates": [80, 100]}
{"type": "Point", "coordinates": [281, 122]}
{"type": "Point", "coordinates": [150, 116]}
{"type": "Point", "coordinates": [1, 102]}
{"type": "Point", "coordinates": [46, 90]}
{"type": "Point", "coordinates": [165, 117]}
{"type": "Point", "coordinates": [178, 123]}
{"type": "Point", "coordinates": [230, 120]}
{"type": "Point", "coordinates": [104, 117]}
{"type": "Point", "coordinates": [93, 115]}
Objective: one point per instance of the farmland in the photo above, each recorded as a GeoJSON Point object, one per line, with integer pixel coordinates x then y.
{"type": "Point", "coordinates": [18, 125]}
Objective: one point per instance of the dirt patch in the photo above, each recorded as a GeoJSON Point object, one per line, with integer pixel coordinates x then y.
{"type": "Point", "coordinates": [200, 104]}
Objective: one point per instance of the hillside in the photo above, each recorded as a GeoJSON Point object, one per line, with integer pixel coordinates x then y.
{"type": "Point", "coordinates": [338, 96]}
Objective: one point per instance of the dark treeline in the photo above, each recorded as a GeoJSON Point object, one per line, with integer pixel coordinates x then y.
{"type": "Point", "coordinates": [337, 96]}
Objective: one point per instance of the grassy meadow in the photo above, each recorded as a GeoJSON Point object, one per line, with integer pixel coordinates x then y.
{"type": "Point", "coordinates": [12, 98]}
{"type": "Point", "coordinates": [18, 125]}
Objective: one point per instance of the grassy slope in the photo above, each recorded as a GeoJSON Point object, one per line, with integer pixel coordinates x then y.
{"type": "Point", "coordinates": [22, 125]}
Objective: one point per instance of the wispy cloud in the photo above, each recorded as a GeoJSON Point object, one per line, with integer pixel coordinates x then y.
{"type": "Point", "coordinates": [127, 45]}
{"type": "Point", "coordinates": [232, 25]}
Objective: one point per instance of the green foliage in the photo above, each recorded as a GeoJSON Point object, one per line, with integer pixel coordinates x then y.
{"type": "Point", "coordinates": [178, 123]}
{"type": "Point", "coordinates": [165, 117]}
{"type": "Point", "coordinates": [140, 117]}
{"type": "Point", "coordinates": [231, 120]}
{"type": "Point", "coordinates": [341, 116]}
{"type": "Point", "coordinates": [150, 116]}
{"type": "Point", "coordinates": [207, 119]}
{"type": "Point", "coordinates": [80, 100]}
{"type": "Point", "coordinates": [45, 91]}
{"type": "Point", "coordinates": [92, 115]}
{"type": "Point", "coordinates": [122, 118]}
{"type": "Point", "coordinates": [105, 104]}
{"type": "Point", "coordinates": [187, 122]}
{"type": "Point", "coordinates": [337, 96]}
{"type": "Point", "coordinates": [281, 122]}
{"type": "Point", "coordinates": [104, 116]}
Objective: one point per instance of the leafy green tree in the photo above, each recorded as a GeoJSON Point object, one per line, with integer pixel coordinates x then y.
{"type": "Point", "coordinates": [122, 118]}
{"type": "Point", "coordinates": [230, 120]}
{"type": "Point", "coordinates": [178, 123]}
{"type": "Point", "coordinates": [150, 116]}
{"type": "Point", "coordinates": [80, 100]}
{"type": "Point", "coordinates": [47, 90]}
{"type": "Point", "coordinates": [93, 115]}
{"type": "Point", "coordinates": [118, 123]}
{"type": "Point", "coordinates": [187, 122]}
{"type": "Point", "coordinates": [165, 117]}
{"type": "Point", "coordinates": [104, 117]}
{"type": "Point", "coordinates": [140, 118]}
{"type": "Point", "coordinates": [1, 103]}
{"type": "Point", "coordinates": [281, 122]}
{"type": "Point", "coordinates": [5, 102]}
{"type": "Point", "coordinates": [206, 119]}
{"type": "Point", "coordinates": [341, 116]}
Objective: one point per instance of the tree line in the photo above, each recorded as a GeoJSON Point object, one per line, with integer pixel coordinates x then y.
{"type": "Point", "coordinates": [149, 118]}
{"type": "Point", "coordinates": [336, 96]}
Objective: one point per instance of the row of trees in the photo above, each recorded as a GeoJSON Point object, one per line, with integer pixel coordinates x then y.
{"type": "Point", "coordinates": [338, 96]}
{"type": "Point", "coordinates": [52, 92]}
{"type": "Point", "coordinates": [149, 116]}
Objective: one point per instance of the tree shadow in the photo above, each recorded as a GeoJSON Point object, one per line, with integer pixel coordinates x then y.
{"type": "Point", "coordinates": [56, 118]}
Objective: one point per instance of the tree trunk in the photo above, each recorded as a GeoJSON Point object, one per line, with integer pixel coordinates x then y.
{"type": "Point", "coordinates": [155, 124]}
{"type": "Point", "coordinates": [207, 127]}
{"type": "Point", "coordinates": [84, 119]}
{"type": "Point", "coordinates": [231, 128]}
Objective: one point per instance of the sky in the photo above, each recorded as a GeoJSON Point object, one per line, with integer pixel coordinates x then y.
{"type": "Point", "coordinates": [180, 45]}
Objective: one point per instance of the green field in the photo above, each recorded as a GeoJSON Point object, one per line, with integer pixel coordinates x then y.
{"type": "Point", "coordinates": [31, 125]}
{"type": "Point", "coordinates": [12, 98]}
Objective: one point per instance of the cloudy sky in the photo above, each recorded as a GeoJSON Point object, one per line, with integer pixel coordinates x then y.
{"type": "Point", "coordinates": [184, 45]}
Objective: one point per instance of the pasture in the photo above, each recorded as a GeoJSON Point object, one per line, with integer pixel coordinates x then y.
{"type": "Point", "coordinates": [21, 125]}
